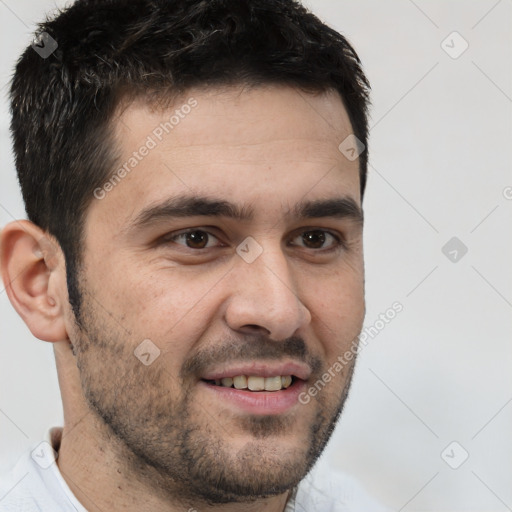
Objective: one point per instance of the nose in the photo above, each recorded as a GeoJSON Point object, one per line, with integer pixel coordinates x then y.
{"type": "Point", "coordinates": [265, 297]}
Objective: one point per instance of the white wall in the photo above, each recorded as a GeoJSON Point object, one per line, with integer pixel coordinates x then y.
{"type": "Point", "coordinates": [440, 152]}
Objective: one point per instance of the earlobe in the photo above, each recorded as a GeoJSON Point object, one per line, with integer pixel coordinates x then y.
{"type": "Point", "coordinates": [34, 276]}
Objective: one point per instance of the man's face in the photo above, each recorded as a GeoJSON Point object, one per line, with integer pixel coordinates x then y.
{"type": "Point", "coordinates": [285, 302]}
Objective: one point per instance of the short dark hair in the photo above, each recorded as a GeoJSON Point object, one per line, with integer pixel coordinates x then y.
{"type": "Point", "coordinates": [108, 50]}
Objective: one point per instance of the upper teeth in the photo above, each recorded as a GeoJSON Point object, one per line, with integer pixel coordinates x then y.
{"type": "Point", "coordinates": [255, 383]}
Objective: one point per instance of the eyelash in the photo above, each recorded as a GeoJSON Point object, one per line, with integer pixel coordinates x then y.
{"type": "Point", "coordinates": [339, 242]}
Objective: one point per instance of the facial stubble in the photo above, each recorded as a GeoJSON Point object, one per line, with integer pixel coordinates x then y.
{"type": "Point", "coordinates": [174, 447]}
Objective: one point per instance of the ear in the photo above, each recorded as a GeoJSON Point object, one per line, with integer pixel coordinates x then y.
{"type": "Point", "coordinates": [34, 275]}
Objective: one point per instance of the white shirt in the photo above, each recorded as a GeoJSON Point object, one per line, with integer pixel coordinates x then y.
{"type": "Point", "coordinates": [36, 485]}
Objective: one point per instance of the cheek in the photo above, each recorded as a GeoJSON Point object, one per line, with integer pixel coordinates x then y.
{"type": "Point", "coordinates": [170, 307]}
{"type": "Point", "coordinates": [156, 294]}
{"type": "Point", "coordinates": [337, 306]}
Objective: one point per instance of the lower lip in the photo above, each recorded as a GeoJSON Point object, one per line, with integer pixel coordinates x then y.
{"type": "Point", "coordinates": [259, 402]}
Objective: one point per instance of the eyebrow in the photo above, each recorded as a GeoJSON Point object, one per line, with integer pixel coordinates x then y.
{"type": "Point", "coordinates": [194, 206]}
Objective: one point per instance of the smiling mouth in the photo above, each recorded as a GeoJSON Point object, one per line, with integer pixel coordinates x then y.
{"type": "Point", "coordinates": [254, 383]}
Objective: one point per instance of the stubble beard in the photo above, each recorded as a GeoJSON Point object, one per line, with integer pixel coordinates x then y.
{"type": "Point", "coordinates": [163, 442]}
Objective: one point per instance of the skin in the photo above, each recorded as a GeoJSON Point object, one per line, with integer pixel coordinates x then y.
{"type": "Point", "coordinates": [151, 438]}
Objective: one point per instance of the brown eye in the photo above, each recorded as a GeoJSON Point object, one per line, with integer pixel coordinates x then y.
{"type": "Point", "coordinates": [196, 239]}
{"type": "Point", "coordinates": [317, 238]}
{"type": "Point", "coordinates": [314, 239]}
{"type": "Point", "coordinates": [193, 239]}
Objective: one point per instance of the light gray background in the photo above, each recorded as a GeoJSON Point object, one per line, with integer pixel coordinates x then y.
{"type": "Point", "coordinates": [440, 154]}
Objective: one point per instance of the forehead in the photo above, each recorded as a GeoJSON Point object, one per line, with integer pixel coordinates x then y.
{"type": "Point", "coordinates": [265, 146]}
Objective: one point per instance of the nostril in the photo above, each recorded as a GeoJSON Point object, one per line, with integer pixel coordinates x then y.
{"type": "Point", "coordinates": [256, 328]}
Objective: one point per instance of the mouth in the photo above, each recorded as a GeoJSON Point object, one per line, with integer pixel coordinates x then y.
{"type": "Point", "coordinates": [256, 388]}
{"type": "Point", "coordinates": [255, 383]}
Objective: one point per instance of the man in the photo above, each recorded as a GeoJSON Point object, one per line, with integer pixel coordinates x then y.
{"type": "Point", "coordinates": [193, 172]}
